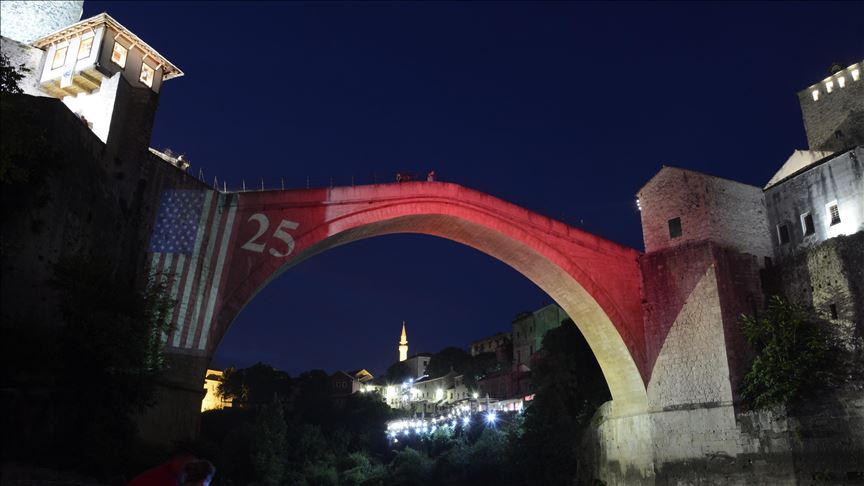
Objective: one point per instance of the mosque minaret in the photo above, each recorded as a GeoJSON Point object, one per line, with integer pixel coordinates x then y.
{"type": "Point", "coordinates": [403, 344]}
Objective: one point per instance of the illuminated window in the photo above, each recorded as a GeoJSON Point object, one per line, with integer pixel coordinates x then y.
{"type": "Point", "coordinates": [85, 48]}
{"type": "Point", "coordinates": [147, 74]}
{"type": "Point", "coordinates": [815, 95]}
{"type": "Point", "coordinates": [807, 224]}
{"type": "Point", "coordinates": [118, 55]}
{"type": "Point", "coordinates": [783, 233]}
{"type": "Point", "coordinates": [675, 228]}
{"type": "Point", "coordinates": [841, 81]}
{"type": "Point", "coordinates": [833, 213]}
{"type": "Point", "coordinates": [856, 74]}
{"type": "Point", "coordinates": [59, 57]}
{"type": "Point", "coordinates": [829, 86]}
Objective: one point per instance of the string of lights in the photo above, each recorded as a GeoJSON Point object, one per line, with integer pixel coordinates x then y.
{"type": "Point", "coordinates": [460, 418]}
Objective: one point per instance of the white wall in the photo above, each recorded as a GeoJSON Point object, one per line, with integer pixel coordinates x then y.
{"type": "Point", "coordinates": [97, 107]}
{"type": "Point", "coordinates": [72, 63]}
{"type": "Point", "coordinates": [31, 58]}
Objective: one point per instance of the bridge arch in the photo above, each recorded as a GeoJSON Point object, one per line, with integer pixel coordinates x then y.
{"type": "Point", "coordinates": [594, 280]}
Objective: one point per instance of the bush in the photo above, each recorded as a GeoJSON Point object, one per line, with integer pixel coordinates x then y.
{"type": "Point", "coordinates": [411, 467]}
{"type": "Point", "coordinates": [791, 354]}
{"type": "Point", "coordinates": [269, 445]}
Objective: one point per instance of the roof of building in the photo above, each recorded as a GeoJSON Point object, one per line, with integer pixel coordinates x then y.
{"type": "Point", "coordinates": [664, 168]}
{"type": "Point", "coordinates": [343, 374]}
{"type": "Point", "coordinates": [798, 161]}
{"type": "Point", "coordinates": [362, 374]}
{"type": "Point", "coordinates": [169, 70]}
{"type": "Point", "coordinates": [497, 335]}
{"type": "Point", "coordinates": [427, 379]}
{"type": "Point", "coordinates": [834, 72]}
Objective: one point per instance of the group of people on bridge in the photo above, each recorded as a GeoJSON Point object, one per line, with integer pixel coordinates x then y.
{"type": "Point", "coordinates": [407, 176]}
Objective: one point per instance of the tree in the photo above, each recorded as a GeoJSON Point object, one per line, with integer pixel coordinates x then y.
{"type": "Point", "coordinates": [110, 357]}
{"type": "Point", "coordinates": [398, 372]}
{"type": "Point", "coordinates": [268, 456]}
{"type": "Point", "coordinates": [791, 353]}
{"type": "Point", "coordinates": [569, 387]}
{"type": "Point", "coordinates": [477, 367]}
{"type": "Point", "coordinates": [256, 385]}
{"type": "Point", "coordinates": [450, 358]}
{"type": "Point", "coordinates": [10, 76]}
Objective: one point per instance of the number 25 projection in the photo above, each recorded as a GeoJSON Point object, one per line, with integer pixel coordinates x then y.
{"type": "Point", "coordinates": [280, 234]}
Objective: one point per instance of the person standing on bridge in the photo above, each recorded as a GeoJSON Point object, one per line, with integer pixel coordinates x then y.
{"type": "Point", "coordinates": [431, 176]}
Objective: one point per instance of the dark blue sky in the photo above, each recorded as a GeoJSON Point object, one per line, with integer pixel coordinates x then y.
{"type": "Point", "coordinates": [565, 108]}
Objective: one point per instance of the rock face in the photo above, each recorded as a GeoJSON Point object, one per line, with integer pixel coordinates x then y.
{"type": "Point", "coordinates": [77, 196]}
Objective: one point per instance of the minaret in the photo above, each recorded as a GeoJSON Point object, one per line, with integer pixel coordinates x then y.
{"type": "Point", "coordinates": [403, 344]}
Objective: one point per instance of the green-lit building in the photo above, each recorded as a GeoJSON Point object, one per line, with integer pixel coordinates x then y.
{"type": "Point", "coordinates": [529, 329]}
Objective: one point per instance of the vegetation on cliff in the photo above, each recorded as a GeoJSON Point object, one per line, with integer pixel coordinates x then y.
{"type": "Point", "coordinates": [798, 353]}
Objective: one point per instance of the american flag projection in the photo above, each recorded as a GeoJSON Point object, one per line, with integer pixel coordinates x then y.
{"type": "Point", "coordinates": [188, 251]}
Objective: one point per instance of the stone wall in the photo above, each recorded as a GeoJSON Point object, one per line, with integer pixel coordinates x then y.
{"type": "Point", "coordinates": [684, 328]}
{"type": "Point", "coordinates": [818, 442]}
{"type": "Point", "coordinates": [839, 179]}
{"type": "Point", "coordinates": [826, 116]}
{"type": "Point", "coordinates": [710, 208]}
{"type": "Point", "coordinates": [829, 274]}
{"type": "Point", "coordinates": [692, 298]}
{"type": "Point", "coordinates": [696, 431]}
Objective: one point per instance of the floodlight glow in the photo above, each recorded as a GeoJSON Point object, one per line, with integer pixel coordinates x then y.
{"type": "Point", "coordinates": [491, 417]}
{"type": "Point", "coordinates": [476, 395]}
{"type": "Point", "coordinates": [829, 86]}
{"type": "Point", "coordinates": [466, 420]}
{"type": "Point", "coordinates": [841, 81]}
{"type": "Point", "coordinates": [856, 74]}
{"type": "Point", "coordinates": [815, 95]}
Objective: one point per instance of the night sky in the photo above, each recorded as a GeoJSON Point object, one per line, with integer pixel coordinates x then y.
{"type": "Point", "coordinates": [564, 108]}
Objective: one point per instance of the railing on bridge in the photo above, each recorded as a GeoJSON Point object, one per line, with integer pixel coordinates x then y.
{"type": "Point", "coordinates": [313, 182]}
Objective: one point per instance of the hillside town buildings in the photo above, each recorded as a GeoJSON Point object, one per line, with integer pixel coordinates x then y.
{"type": "Point", "coordinates": [213, 400]}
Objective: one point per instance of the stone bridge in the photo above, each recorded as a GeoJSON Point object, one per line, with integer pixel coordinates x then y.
{"type": "Point", "coordinates": [216, 251]}
{"type": "Point", "coordinates": [663, 325]}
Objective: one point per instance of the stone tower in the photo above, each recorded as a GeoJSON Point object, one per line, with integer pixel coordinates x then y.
{"type": "Point", "coordinates": [26, 21]}
{"type": "Point", "coordinates": [403, 344]}
{"type": "Point", "coordinates": [833, 109]}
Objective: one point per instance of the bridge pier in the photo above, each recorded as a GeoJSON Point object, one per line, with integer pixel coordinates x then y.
{"type": "Point", "coordinates": [176, 415]}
